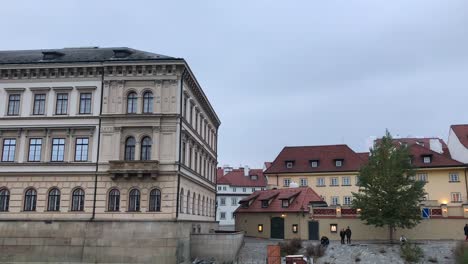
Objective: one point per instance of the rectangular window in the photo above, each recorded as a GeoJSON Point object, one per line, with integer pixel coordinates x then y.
{"type": "Point", "coordinates": [13, 104]}
{"type": "Point", "coordinates": [320, 181]}
{"type": "Point", "coordinates": [265, 203]}
{"type": "Point", "coordinates": [224, 188]}
{"type": "Point", "coordinates": [223, 215]}
{"type": "Point", "coordinates": [61, 106]}
{"type": "Point", "coordinates": [286, 182]}
{"type": "Point", "coordinates": [9, 148]}
{"type": "Point", "coordinates": [184, 145]}
{"type": "Point", "coordinates": [314, 163]}
{"type": "Point", "coordinates": [456, 197]}
{"type": "Point", "coordinates": [39, 104]}
{"type": "Point", "coordinates": [223, 201]}
{"type": "Point", "coordinates": [233, 201]}
{"type": "Point", "coordinates": [285, 203]}
{"type": "Point", "coordinates": [422, 177]}
{"type": "Point", "coordinates": [234, 189]}
{"type": "Point", "coordinates": [338, 163]}
{"type": "Point", "coordinates": [85, 103]}
{"type": "Point", "coordinates": [219, 188]}
{"type": "Point", "coordinates": [233, 215]}
{"type": "Point", "coordinates": [58, 149]}
{"type": "Point", "coordinates": [453, 177]}
{"type": "Point", "coordinates": [303, 182]}
{"type": "Point", "coordinates": [81, 149]}
{"type": "Point", "coordinates": [346, 181]}
{"type": "Point", "coordinates": [254, 177]}
{"type": "Point", "coordinates": [289, 164]}
{"type": "Point", "coordinates": [335, 200]}
{"type": "Point", "coordinates": [334, 181]}
{"type": "Point", "coordinates": [244, 189]}
{"type": "Point", "coordinates": [35, 146]}
{"type": "Point", "coordinates": [427, 159]}
{"type": "Point", "coordinates": [253, 189]}
{"type": "Point", "coordinates": [347, 200]}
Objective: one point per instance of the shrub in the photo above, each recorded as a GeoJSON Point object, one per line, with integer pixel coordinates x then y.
{"type": "Point", "coordinates": [411, 252]}
{"type": "Point", "coordinates": [461, 252]}
{"type": "Point", "coordinates": [291, 247]}
{"type": "Point", "coordinates": [315, 251]}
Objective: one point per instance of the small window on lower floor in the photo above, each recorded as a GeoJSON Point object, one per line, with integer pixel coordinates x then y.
{"type": "Point", "coordinates": [222, 215]}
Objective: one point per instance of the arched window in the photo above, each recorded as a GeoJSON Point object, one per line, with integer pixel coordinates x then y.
{"type": "Point", "coordinates": [114, 201]}
{"type": "Point", "coordinates": [130, 149]}
{"type": "Point", "coordinates": [30, 198]}
{"type": "Point", "coordinates": [181, 200]}
{"type": "Point", "coordinates": [193, 203]}
{"type": "Point", "coordinates": [146, 148]}
{"type": "Point", "coordinates": [134, 201]}
{"type": "Point", "coordinates": [54, 200]}
{"type": "Point", "coordinates": [148, 102]}
{"type": "Point", "coordinates": [4, 199]}
{"type": "Point", "coordinates": [188, 202]}
{"type": "Point", "coordinates": [132, 103]}
{"type": "Point", "coordinates": [78, 196]}
{"type": "Point", "coordinates": [198, 205]}
{"type": "Point", "coordinates": [155, 201]}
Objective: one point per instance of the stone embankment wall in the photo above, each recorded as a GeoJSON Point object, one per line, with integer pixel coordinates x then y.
{"type": "Point", "coordinates": [223, 247]}
{"type": "Point", "coordinates": [98, 242]}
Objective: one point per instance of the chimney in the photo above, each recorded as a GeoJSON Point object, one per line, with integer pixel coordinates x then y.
{"type": "Point", "coordinates": [226, 169]}
{"type": "Point", "coordinates": [435, 145]}
{"type": "Point", "coordinates": [246, 170]}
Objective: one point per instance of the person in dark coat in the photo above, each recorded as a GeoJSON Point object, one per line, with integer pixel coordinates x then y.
{"type": "Point", "coordinates": [348, 235]}
{"type": "Point", "coordinates": [342, 235]}
{"type": "Point", "coordinates": [466, 232]}
{"type": "Point", "coordinates": [324, 241]}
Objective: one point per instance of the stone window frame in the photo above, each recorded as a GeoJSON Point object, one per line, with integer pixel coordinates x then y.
{"type": "Point", "coordinates": [134, 102]}
{"type": "Point", "coordinates": [158, 207]}
{"type": "Point", "coordinates": [2, 148]}
{"type": "Point", "coordinates": [458, 195]}
{"type": "Point", "coordinates": [62, 90]}
{"type": "Point", "coordinates": [348, 181]}
{"type": "Point", "coordinates": [33, 196]}
{"type": "Point", "coordinates": [137, 206]}
{"type": "Point", "coordinates": [65, 142]}
{"type": "Point", "coordinates": [81, 197]}
{"type": "Point", "coordinates": [347, 197]}
{"type": "Point", "coordinates": [53, 206]}
{"type": "Point", "coordinates": [4, 199]}
{"type": "Point", "coordinates": [108, 200]}
{"type": "Point", "coordinates": [86, 90]}
{"type": "Point", "coordinates": [13, 91]}
{"type": "Point", "coordinates": [144, 92]}
{"type": "Point", "coordinates": [41, 153]}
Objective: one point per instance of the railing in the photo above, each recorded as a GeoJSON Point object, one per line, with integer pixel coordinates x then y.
{"type": "Point", "coordinates": [127, 168]}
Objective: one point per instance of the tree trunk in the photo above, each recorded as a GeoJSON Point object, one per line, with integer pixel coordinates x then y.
{"type": "Point", "coordinates": [391, 229]}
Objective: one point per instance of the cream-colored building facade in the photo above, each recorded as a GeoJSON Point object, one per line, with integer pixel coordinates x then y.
{"type": "Point", "coordinates": [105, 134]}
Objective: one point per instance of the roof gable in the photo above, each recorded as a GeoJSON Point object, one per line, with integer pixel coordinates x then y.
{"type": "Point", "coordinates": [461, 131]}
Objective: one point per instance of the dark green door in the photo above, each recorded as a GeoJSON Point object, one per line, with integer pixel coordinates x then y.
{"type": "Point", "coordinates": [277, 227]}
{"type": "Point", "coordinates": [313, 230]}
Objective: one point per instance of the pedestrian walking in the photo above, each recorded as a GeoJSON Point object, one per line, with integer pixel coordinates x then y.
{"type": "Point", "coordinates": [466, 232]}
{"type": "Point", "coordinates": [342, 235]}
{"type": "Point", "coordinates": [348, 235]}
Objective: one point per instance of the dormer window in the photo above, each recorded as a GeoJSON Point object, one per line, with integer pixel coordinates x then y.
{"type": "Point", "coordinates": [285, 203]}
{"type": "Point", "coordinates": [254, 177]}
{"type": "Point", "coordinates": [427, 159]}
{"type": "Point", "coordinates": [314, 163]}
{"type": "Point", "coordinates": [265, 203]}
{"type": "Point", "coordinates": [121, 53]}
{"type": "Point", "coordinates": [51, 55]}
{"type": "Point", "coordinates": [289, 164]}
{"type": "Point", "coordinates": [338, 163]}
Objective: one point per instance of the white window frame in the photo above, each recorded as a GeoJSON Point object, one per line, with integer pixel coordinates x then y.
{"type": "Point", "coordinates": [286, 182]}
{"type": "Point", "coordinates": [222, 215]}
{"type": "Point", "coordinates": [347, 179]}
{"type": "Point", "coordinates": [334, 179]}
{"type": "Point", "coordinates": [454, 177]}
{"type": "Point", "coordinates": [320, 181]}
{"type": "Point", "coordinates": [333, 198]}
{"type": "Point", "coordinates": [314, 164]}
{"type": "Point", "coordinates": [427, 159]}
{"type": "Point", "coordinates": [289, 164]}
{"type": "Point", "coordinates": [222, 201]}
{"type": "Point", "coordinates": [338, 163]}
{"type": "Point", "coordinates": [422, 177]}
{"type": "Point", "coordinates": [347, 200]}
{"type": "Point", "coordinates": [457, 195]}
{"type": "Point", "coordinates": [304, 182]}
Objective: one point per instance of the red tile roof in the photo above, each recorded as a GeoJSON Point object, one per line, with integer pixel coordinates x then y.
{"type": "Point", "coordinates": [326, 155]}
{"type": "Point", "coordinates": [461, 131]}
{"type": "Point", "coordinates": [437, 160]}
{"type": "Point", "coordinates": [425, 142]}
{"type": "Point", "coordinates": [304, 196]}
{"type": "Point", "coordinates": [236, 178]}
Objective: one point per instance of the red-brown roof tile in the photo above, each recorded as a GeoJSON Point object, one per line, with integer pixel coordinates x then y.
{"type": "Point", "coordinates": [437, 160]}
{"type": "Point", "coordinates": [461, 131]}
{"type": "Point", "coordinates": [305, 195]}
{"type": "Point", "coordinates": [236, 178]}
{"type": "Point", "coordinates": [302, 157]}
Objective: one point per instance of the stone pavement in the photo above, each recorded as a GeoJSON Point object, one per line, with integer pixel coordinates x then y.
{"type": "Point", "coordinates": [365, 252]}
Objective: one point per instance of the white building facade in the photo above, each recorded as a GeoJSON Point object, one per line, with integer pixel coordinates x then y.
{"type": "Point", "coordinates": [233, 185]}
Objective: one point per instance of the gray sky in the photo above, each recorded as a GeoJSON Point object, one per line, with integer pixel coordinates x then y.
{"type": "Point", "coordinates": [284, 72]}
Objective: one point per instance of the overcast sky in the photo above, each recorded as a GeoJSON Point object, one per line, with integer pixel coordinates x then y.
{"type": "Point", "coordinates": [284, 73]}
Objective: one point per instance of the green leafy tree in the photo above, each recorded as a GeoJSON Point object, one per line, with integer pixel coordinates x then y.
{"type": "Point", "coordinates": [388, 194]}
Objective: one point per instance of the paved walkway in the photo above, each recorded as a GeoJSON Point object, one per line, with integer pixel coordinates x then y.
{"type": "Point", "coordinates": [365, 252]}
